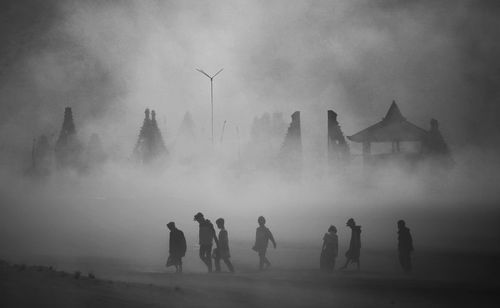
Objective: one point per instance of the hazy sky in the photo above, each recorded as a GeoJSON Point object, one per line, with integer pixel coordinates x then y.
{"type": "Point", "coordinates": [111, 59]}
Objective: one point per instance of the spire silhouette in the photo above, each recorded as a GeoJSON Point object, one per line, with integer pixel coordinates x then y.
{"type": "Point", "coordinates": [68, 147]}
{"type": "Point", "coordinates": [150, 143]}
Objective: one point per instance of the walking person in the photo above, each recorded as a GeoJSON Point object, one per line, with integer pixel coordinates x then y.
{"type": "Point", "coordinates": [262, 237]}
{"type": "Point", "coordinates": [177, 247]}
{"type": "Point", "coordinates": [206, 237]}
{"type": "Point", "coordinates": [330, 250]}
{"type": "Point", "coordinates": [353, 252]}
{"type": "Point", "coordinates": [405, 246]}
{"type": "Point", "coordinates": [222, 250]}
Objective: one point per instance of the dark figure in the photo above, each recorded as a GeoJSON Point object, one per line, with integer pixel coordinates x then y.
{"type": "Point", "coordinates": [206, 236]}
{"type": "Point", "coordinates": [222, 250]}
{"type": "Point", "coordinates": [353, 252]}
{"type": "Point", "coordinates": [262, 237]}
{"type": "Point", "coordinates": [329, 250]}
{"type": "Point", "coordinates": [405, 246]}
{"type": "Point", "coordinates": [177, 247]}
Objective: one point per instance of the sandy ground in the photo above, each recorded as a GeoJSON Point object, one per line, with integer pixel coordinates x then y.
{"type": "Point", "coordinates": [41, 286]}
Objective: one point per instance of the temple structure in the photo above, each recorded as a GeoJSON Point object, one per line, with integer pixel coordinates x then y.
{"type": "Point", "coordinates": [150, 143]}
{"type": "Point", "coordinates": [338, 150]}
{"type": "Point", "coordinates": [68, 148]}
{"type": "Point", "coordinates": [290, 155]}
{"type": "Point", "coordinates": [434, 146]}
{"type": "Point", "coordinates": [393, 129]}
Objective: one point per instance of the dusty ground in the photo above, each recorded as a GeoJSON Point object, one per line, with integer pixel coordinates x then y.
{"type": "Point", "coordinates": [37, 286]}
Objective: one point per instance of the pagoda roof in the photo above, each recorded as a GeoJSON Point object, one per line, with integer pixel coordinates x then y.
{"type": "Point", "coordinates": [393, 127]}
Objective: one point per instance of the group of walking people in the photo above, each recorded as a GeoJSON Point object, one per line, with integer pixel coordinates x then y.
{"type": "Point", "coordinates": [207, 236]}
{"type": "Point", "coordinates": [330, 248]}
{"type": "Point", "coordinates": [329, 252]}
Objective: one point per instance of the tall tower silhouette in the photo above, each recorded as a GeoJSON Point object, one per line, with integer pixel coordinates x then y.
{"type": "Point", "coordinates": [150, 143]}
{"type": "Point", "coordinates": [68, 147]}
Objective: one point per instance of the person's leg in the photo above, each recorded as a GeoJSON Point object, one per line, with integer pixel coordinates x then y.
{"type": "Point", "coordinates": [180, 265]}
{"type": "Point", "coordinates": [402, 260]}
{"type": "Point", "coordinates": [264, 258]}
{"type": "Point", "coordinates": [405, 261]}
{"type": "Point", "coordinates": [205, 256]}
{"type": "Point", "coordinates": [229, 265]}
{"type": "Point", "coordinates": [358, 262]}
{"type": "Point", "coordinates": [346, 263]}
{"type": "Point", "coordinates": [202, 253]}
{"type": "Point", "coordinates": [261, 261]}
{"type": "Point", "coordinates": [217, 264]}
{"type": "Point", "coordinates": [209, 257]}
{"type": "Point", "coordinates": [266, 261]}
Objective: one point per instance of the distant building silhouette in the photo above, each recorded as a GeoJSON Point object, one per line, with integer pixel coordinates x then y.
{"type": "Point", "coordinates": [290, 155]}
{"type": "Point", "coordinates": [150, 143]}
{"type": "Point", "coordinates": [338, 150]}
{"type": "Point", "coordinates": [186, 147]}
{"type": "Point", "coordinates": [186, 129]}
{"type": "Point", "coordinates": [396, 129]}
{"type": "Point", "coordinates": [435, 147]}
{"type": "Point", "coordinates": [68, 148]}
{"type": "Point", "coordinates": [266, 138]}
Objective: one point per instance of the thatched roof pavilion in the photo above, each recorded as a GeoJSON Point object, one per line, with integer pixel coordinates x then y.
{"type": "Point", "coordinates": [393, 128]}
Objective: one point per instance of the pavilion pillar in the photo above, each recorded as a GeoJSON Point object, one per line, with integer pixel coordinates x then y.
{"type": "Point", "coordinates": [366, 151]}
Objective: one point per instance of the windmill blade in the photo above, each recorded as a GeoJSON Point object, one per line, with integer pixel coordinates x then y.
{"type": "Point", "coordinates": [201, 71]}
{"type": "Point", "coordinates": [218, 72]}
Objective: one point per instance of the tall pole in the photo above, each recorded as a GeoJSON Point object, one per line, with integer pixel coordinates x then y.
{"type": "Point", "coordinates": [211, 95]}
{"type": "Point", "coordinates": [212, 103]}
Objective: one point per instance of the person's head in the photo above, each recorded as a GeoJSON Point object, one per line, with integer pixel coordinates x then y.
{"type": "Point", "coordinates": [401, 224]}
{"type": "Point", "coordinates": [199, 217]}
{"type": "Point", "coordinates": [350, 222]}
{"type": "Point", "coordinates": [261, 220]}
{"type": "Point", "coordinates": [171, 226]}
{"type": "Point", "coordinates": [332, 229]}
{"type": "Point", "coordinates": [220, 223]}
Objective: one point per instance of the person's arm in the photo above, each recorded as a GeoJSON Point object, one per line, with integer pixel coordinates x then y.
{"type": "Point", "coordinates": [271, 237]}
{"type": "Point", "coordinates": [410, 239]}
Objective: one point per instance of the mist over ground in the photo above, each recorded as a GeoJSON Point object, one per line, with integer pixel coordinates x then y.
{"type": "Point", "coordinates": [109, 60]}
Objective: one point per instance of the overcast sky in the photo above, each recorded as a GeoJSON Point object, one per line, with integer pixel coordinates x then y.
{"type": "Point", "coordinates": [111, 59]}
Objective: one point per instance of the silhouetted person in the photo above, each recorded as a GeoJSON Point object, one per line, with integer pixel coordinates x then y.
{"type": "Point", "coordinates": [405, 246]}
{"type": "Point", "coordinates": [222, 250]}
{"type": "Point", "coordinates": [177, 247]}
{"type": "Point", "coordinates": [206, 237]}
{"type": "Point", "coordinates": [262, 237]}
{"type": "Point", "coordinates": [353, 252]}
{"type": "Point", "coordinates": [330, 250]}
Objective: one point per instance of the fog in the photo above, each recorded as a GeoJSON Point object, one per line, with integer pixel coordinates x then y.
{"type": "Point", "coordinates": [109, 60]}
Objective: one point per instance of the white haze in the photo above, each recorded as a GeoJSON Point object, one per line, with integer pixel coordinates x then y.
{"type": "Point", "coordinates": [110, 60]}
